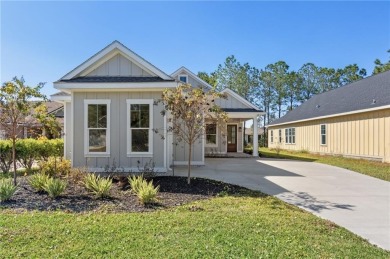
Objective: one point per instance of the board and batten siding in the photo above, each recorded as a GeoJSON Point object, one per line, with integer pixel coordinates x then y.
{"type": "Point", "coordinates": [230, 102]}
{"type": "Point", "coordinates": [118, 131]}
{"type": "Point", "coordinates": [68, 136]}
{"type": "Point", "coordinates": [118, 66]}
{"type": "Point", "coordinates": [363, 135]}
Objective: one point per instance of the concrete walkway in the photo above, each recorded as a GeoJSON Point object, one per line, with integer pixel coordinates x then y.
{"type": "Point", "coordinates": [354, 201]}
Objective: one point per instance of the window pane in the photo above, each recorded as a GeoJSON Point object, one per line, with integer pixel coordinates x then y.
{"type": "Point", "coordinates": [144, 115]}
{"type": "Point", "coordinates": [183, 79]}
{"type": "Point", "coordinates": [139, 116]}
{"type": "Point", "coordinates": [92, 116]}
{"type": "Point", "coordinates": [102, 115]}
{"type": "Point", "coordinates": [323, 139]}
{"type": "Point", "coordinates": [139, 140]}
{"type": "Point", "coordinates": [97, 140]}
{"type": "Point", "coordinates": [211, 129]}
{"type": "Point", "coordinates": [211, 139]}
{"type": "Point", "coordinates": [323, 129]}
{"type": "Point", "coordinates": [134, 119]}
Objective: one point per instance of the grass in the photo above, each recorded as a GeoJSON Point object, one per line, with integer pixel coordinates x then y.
{"type": "Point", "coordinates": [375, 169]}
{"type": "Point", "coordinates": [224, 227]}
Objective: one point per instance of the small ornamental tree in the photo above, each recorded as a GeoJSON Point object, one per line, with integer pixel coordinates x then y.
{"type": "Point", "coordinates": [189, 108]}
{"type": "Point", "coordinates": [15, 107]}
{"type": "Point", "coordinates": [50, 125]}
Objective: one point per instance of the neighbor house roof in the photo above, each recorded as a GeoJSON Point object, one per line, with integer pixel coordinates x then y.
{"type": "Point", "coordinates": [189, 72]}
{"type": "Point", "coordinates": [366, 94]}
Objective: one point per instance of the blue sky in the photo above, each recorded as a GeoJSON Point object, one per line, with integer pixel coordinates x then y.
{"type": "Point", "coordinates": [44, 40]}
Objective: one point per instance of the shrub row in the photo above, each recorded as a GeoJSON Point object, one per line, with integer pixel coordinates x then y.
{"type": "Point", "coordinates": [28, 151]}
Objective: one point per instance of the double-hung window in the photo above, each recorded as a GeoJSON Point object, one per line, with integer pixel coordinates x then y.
{"type": "Point", "coordinates": [272, 136]}
{"type": "Point", "coordinates": [211, 134]}
{"type": "Point", "coordinates": [290, 135]}
{"type": "Point", "coordinates": [97, 127]}
{"type": "Point", "coordinates": [323, 134]}
{"type": "Point", "coordinates": [139, 127]}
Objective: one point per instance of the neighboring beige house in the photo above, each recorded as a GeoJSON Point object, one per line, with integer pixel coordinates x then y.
{"type": "Point", "coordinates": [353, 121]}
{"type": "Point", "coordinates": [111, 114]}
{"type": "Point", "coordinates": [249, 134]}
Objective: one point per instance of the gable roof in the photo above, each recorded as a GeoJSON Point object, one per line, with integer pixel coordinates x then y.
{"type": "Point", "coordinates": [194, 76]}
{"type": "Point", "coordinates": [366, 94]}
{"type": "Point", "coordinates": [240, 98]}
{"type": "Point", "coordinates": [110, 51]}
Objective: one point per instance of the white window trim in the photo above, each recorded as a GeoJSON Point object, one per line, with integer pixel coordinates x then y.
{"type": "Point", "coordinates": [216, 136]}
{"type": "Point", "coordinates": [326, 139]}
{"type": "Point", "coordinates": [86, 131]}
{"type": "Point", "coordinates": [139, 154]}
{"type": "Point", "coordinates": [183, 75]}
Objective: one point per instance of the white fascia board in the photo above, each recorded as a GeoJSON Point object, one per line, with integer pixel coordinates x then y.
{"type": "Point", "coordinates": [111, 86]}
{"type": "Point", "coordinates": [61, 99]}
{"type": "Point", "coordinates": [189, 72]}
{"type": "Point", "coordinates": [332, 115]}
{"type": "Point", "coordinates": [244, 115]}
{"type": "Point", "coordinates": [239, 98]}
{"type": "Point", "coordinates": [122, 50]}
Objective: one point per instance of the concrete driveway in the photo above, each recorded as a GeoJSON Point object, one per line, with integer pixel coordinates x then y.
{"type": "Point", "coordinates": [354, 201]}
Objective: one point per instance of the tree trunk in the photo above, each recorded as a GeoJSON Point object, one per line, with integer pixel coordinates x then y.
{"type": "Point", "coordinates": [14, 157]}
{"type": "Point", "coordinates": [189, 164]}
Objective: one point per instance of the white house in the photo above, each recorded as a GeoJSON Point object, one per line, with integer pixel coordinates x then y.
{"type": "Point", "coordinates": [110, 113]}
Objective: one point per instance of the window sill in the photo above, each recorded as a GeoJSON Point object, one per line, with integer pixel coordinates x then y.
{"type": "Point", "coordinates": [208, 145]}
{"type": "Point", "coordinates": [139, 154]}
{"type": "Point", "coordinates": [97, 155]}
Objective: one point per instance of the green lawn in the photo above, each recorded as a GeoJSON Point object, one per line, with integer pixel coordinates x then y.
{"type": "Point", "coordinates": [371, 168]}
{"type": "Point", "coordinates": [225, 227]}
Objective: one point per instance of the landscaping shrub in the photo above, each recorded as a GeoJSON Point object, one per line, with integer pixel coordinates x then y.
{"type": "Point", "coordinates": [77, 175]}
{"type": "Point", "coordinates": [50, 147]}
{"type": "Point", "coordinates": [7, 189]}
{"type": "Point", "coordinates": [38, 181]}
{"type": "Point", "coordinates": [146, 192]}
{"type": "Point", "coordinates": [54, 166]}
{"type": "Point", "coordinates": [27, 151]}
{"type": "Point", "coordinates": [5, 155]}
{"type": "Point", "coordinates": [54, 187]}
{"type": "Point", "coordinates": [136, 182]}
{"type": "Point", "coordinates": [99, 186]}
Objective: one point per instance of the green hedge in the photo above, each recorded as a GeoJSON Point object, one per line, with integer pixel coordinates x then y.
{"type": "Point", "coordinates": [28, 151]}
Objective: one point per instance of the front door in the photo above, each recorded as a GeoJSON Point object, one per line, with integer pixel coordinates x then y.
{"type": "Point", "coordinates": [231, 138]}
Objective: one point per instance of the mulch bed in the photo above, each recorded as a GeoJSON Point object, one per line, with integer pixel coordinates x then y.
{"type": "Point", "coordinates": [174, 191]}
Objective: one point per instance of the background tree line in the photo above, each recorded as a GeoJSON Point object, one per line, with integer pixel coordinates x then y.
{"type": "Point", "coordinates": [276, 89]}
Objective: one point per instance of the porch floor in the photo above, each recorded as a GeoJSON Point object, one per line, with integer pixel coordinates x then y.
{"type": "Point", "coordinates": [230, 155]}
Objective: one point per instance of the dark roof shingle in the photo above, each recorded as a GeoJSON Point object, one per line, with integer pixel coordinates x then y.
{"type": "Point", "coordinates": [370, 92]}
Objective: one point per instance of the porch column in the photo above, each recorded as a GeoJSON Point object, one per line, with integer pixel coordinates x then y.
{"type": "Point", "coordinates": [255, 138]}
